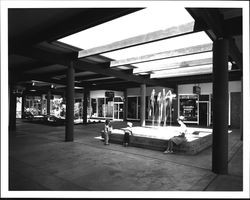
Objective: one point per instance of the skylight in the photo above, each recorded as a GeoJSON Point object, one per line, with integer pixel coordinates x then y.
{"type": "Point", "coordinates": [144, 21]}
{"type": "Point", "coordinates": [161, 46]}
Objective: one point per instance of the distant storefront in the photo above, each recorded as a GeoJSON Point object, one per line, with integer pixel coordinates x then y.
{"type": "Point", "coordinates": [196, 107]}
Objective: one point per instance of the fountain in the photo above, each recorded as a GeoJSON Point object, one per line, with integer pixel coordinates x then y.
{"type": "Point", "coordinates": [156, 137]}
{"type": "Point", "coordinates": [152, 105]}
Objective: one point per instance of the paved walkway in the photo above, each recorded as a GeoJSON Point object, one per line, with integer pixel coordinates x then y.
{"type": "Point", "coordinates": [41, 160]}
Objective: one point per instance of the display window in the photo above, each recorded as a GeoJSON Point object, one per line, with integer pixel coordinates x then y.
{"type": "Point", "coordinates": [189, 107]}
{"type": "Point", "coordinates": [19, 107]}
{"type": "Point", "coordinates": [33, 105]}
{"type": "Point", "coordinates": [101, 107]}
{"type": "Point", "coordinates": [107, 107]}
{"type": "Point", "coordinates": [132, 108]}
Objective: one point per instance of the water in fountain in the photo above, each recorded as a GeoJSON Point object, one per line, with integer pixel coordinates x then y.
{"type": "Point", "coordinates": [152, 106]}
{"type": "Point", "coordinates": [164, 107]}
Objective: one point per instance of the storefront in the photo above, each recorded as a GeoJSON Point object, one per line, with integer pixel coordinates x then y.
{"type": "Point", "coordinates": [106, 104]}
{"type": "Point", "coordinates": [197, 108]}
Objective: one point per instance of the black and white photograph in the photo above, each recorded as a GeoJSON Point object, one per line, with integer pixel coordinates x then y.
{"type": "Point", "coordinates": [125, 99]}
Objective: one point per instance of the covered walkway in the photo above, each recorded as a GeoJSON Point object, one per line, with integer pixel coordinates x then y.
{"type": "Point", "coordinates": [41, 160]}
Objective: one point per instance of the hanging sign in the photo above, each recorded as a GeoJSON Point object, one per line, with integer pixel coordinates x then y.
{"type": "Point", "coordinates": [196, 90]}
{"type": "Point", "coordinates": [109, 94]}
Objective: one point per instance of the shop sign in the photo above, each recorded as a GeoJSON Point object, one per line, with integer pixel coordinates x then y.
{"type": "Point", "coordinates": [109, 94]}
{"type": "Point", "coordinates": [196, 90]}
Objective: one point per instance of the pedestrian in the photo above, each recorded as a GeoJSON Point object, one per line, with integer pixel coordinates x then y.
{"type": "Point", "coordinates": [107, 131]}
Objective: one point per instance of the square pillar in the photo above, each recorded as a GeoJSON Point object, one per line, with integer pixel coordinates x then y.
{"type": "Point", "coordinates": [220, 107]}
{"type": "Point", "coordinates": [85, 105]}
{"type": "Point", "coordinates": [12, 109]}
{"type": "Point", "coordinates": [48, 102]}
{"type": "Point", "coordinates": [125, 106]}
{"type": "Point", "coordinates": [143, 105]}
{"type": "Point", "coordinates": [69, 135]}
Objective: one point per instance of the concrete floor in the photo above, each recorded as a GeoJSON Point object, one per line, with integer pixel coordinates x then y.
{"type": "Point", "coordinates": [40, 160]}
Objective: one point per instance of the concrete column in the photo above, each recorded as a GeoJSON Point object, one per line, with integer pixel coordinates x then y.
{"type": "Point", "coordinates": [220, 107]}
{"type": "Point", "coordinates": [12, 109]}
{"type": "Point", "coordinates": [69, 135]}
{"type": "Point", "coordinates": [143, 104]}
{"type": "Point", "coordinates": [48, 102]}
{"type": "Point", "coordinates": [241, 110]}
{"type": "Point", "coordinates": [23, 104]}
{"type": "Point", "coordinates": [175, 105]}
{"type": "Point", "coordinates": [85, 105]}
{"type": "Point", "coordinates": [125, 106]}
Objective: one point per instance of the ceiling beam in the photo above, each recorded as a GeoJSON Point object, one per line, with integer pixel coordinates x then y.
{"type": "Point", "coordinates": [204, 69]}
{"type": "Point", "coordinates": [66, 59]}
{"type": "Point", "coordinates": [163, 55]}
{"type": "Point", "coordinates": [105, 70]}
{"type": "Point", "coordinates": [141, 39]}
{"type": "Point", "coordinates": [202, 78]}
{"type": "Point", "coordinates": [175, 65]}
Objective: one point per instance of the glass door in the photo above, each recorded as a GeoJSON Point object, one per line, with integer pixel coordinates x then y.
{"type": "Point", "coordinates": [118, 110]}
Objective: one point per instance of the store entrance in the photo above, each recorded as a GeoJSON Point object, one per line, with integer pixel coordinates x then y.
{"type": "Point", "coordinates": [118, 110]}
{"type": "Point", "coordinates": [203, 113]}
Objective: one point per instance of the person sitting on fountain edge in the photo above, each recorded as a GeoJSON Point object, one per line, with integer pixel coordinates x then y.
{"type": "Point", "coordinates": [177, 140]}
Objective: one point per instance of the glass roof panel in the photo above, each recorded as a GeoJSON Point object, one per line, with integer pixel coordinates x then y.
{"type": "Point", "coordinates": [161, 46]}
{"type": "Point", "coordinates": [147, 20]}
{"type": "Point", "coordinates": [171, 62]}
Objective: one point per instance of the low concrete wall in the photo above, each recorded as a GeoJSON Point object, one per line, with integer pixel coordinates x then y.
{"type": "Point", "coordinates": [189, 147]}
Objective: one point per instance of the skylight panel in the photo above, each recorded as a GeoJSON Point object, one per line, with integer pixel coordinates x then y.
{"type": "Point", "coordinates": [147, 20]}
{"type": "Point", "coordinates": [170, 62]}
{"type": "Point", "coordinates": [161, 46]}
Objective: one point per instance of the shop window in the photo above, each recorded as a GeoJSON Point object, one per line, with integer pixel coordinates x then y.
{"type": "Point", "coordinates": [93, 108]}
{"type": "Point", "coordinates": [101, 107]}
{"type": "Point", "coordinates": [78, 109]}
{"type": "Point", "coordinates": [188, 107]}
{"type": "Point", "coordinates": [19, 107]}
{"type": "Point", "coordinates": [132, 107]}
{"type": "Point", "coordinates": [110, 107]}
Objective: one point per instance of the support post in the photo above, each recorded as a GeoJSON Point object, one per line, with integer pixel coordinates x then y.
{"type": "Point", "coordinates": [85, 105]}
{"type": "Point", "coordinates": [143, 104]}
{"type": "Point", "coordinates": [220, 107]}
{"type": "Point", "coordinates": [69, 135]}
{"type": "Point", "coordinates": [48, 102]}
{"type": "Point", "coordinates": [12, 110]}
{"type": "Point", "coordinates": [125, 106]}
{"type": "Point", "coordinates": [241, 110]}
{"type": "Point", "coordinates": [23, 104]}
